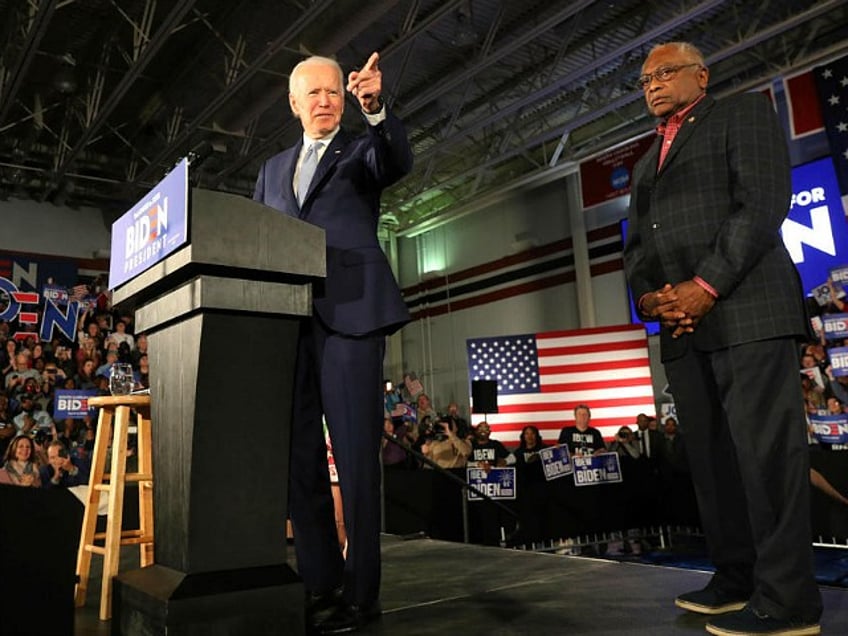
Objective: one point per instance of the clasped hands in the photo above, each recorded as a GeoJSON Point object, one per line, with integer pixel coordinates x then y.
{"type": "Point", "coordinates": [679, 307]}
{"type": "Point", "coordinates": [366, 85]}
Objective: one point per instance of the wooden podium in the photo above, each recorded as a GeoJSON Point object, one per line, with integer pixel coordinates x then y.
{"type": "Point", "coordinates": [222, 314]}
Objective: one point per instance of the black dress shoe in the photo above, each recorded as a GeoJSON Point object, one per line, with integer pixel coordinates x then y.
{"type": "Point", "coordinates": [349, 618]}
{"type": "Point", "coordinates": [321, 602]}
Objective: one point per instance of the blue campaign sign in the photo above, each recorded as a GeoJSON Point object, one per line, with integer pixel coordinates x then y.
{"type": "Point", "coordinates": [556, 462]}
{"type": "Point", "coordinates": [839, 276]}
{"type": "Point", "coordinates": [835, 326]}
{"type": "Point", "coordinates": [591, 470]}
{"type": "Point", "coordinates": [498, 483]}
{"type": "Point", "coordinates": [830, 429]}
{"type": "Point", "coordinates": [815, 231]}
{"type": "Point", "coordinates": [154, 227]}
{"type": "Point", "coordinates": [838, 360]}
{"type": "Point", "coordinates": [72, 404]}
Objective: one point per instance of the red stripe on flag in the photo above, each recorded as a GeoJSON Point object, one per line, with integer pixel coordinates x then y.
{"type": "Point", "coordinates": [566, 407]}
{"type": "Point", "coordinates": [596, 385]}
{"type": "Point", "coordinates": [598, 366]}
{"type": "Point", "coordinates": [802, 102]}
{"type": "Point", "coordinates": [590, 348]}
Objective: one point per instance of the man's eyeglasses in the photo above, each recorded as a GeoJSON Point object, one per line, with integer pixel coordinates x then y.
{"type": "Point", "coordinates": [664, 74]}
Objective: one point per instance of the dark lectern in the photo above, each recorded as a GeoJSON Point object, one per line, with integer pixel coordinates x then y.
{"type": "Point", "coordinates": [222, 317]}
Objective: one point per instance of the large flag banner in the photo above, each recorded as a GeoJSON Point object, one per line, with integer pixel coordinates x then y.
{"type": "Point", "coordinates": [542, 377]}
{"type": "Point", "coordinates": [832, 83]}
{"type": "Point", "coordinates": [805, 117]}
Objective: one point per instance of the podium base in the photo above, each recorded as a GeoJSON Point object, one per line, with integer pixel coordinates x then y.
{"type": "Point", "coordinates": [158, 600]}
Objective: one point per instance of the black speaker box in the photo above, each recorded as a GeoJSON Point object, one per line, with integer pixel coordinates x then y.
{"type": "Point", "coordinates": [484, 395]}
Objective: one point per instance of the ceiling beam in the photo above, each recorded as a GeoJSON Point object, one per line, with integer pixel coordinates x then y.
{"type": "Point", "coordinates": [171, 21]}
{"type": "Point", "coordinates": [37, 28]}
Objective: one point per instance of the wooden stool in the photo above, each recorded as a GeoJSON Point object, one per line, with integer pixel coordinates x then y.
{"type": "Point", "coordinates": [115, 411]}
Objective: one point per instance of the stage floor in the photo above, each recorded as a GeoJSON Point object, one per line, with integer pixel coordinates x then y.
{"type": "Point", "coordinates": [438, 587]}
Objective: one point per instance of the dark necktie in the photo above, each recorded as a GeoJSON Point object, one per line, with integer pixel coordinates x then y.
{"type": "Point", "coordinates": [307, 171]}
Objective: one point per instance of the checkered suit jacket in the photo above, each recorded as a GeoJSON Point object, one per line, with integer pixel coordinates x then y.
{"type": "Point", "coordinates": [714, 210]}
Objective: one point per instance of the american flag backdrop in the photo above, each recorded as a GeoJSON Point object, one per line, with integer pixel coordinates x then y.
{"type": "Point", "coordinates": [832, 82]}
{"type": "Point", "coordinates": [542, 377]}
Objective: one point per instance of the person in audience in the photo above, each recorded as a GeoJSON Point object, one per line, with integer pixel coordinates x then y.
{"type": "Point", "coordinates": [16, 379]}
{"type": "Point", "coordinates": [37, 354]}
{"type": "Point", "coordinates": [581, 438]}
{"type": "Point", "coordinates": [71, 433]}
{"type": "Point", "coordinates": [87, 376]}
{"type": "Point", "coordinates": [62, 470]}
{"type": "Point", "coordinates": [527, 453]}
{"type": "Point", "coordinates": [673, 456]}
{"type": "Point", "coordinates": [51, 377]}
{"type": "Point", "coordinates": [105, 368]}
{"type": "Point", "coordinates": [463, 429]}
{"type": "Point", "coordinates": [445, 448]}
{"type": "Point", "coordinates": [20, 463]}
{"type": "Point", "coordinates": [486, 452]}
{"type": "Point", "coordinates": [625, 444]}
{"type": "Point", "coordinates": [140, 349]}
{"type": "Point", "coordinates": [7, 357]}
{"type": "Point", "coordinates": [31, 419]}
{"type": "Point", "coordinates": [814, 400]}
{"type": "Point", "coordinates": [425, 413]}
{"type": "Point", "coordinates": [8, 430]}
{"type": "Point", "coordinates": [650, 441]}
{"type": "Point", "coordinates": [96, 334]}
{"type": "Point", "coordinates": [120, 335]}
{"type": "Point", "coordinates": [64, 361]}
{"type": "Point", "coordinates": [834, 406]}
{"type": "Point", "coordinates": [142, 374]}
{"type": "Point", "coordinates": [531, 485]}
{"type": "Point", "coordinates": [88, 350]}
{"type": "Point", "coordinates": [393, 455]}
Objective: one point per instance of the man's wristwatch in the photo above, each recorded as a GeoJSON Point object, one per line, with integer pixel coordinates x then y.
{"type": "Point", "coordinates": [380, 103]}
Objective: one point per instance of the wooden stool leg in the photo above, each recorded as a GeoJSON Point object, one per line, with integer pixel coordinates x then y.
{"type": "Point", "coordinates": [112, 556]}
{"type": "Point", "coordinates": [145, 488]}
{"type": "Point", "coordinates": [89, 522]}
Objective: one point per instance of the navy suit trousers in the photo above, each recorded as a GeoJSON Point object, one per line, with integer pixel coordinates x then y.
{"type": "Point", "coordinates": [338, 377]}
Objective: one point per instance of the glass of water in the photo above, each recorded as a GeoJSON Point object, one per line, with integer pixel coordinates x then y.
{"type": "Point", "coordinates": [121, 379]}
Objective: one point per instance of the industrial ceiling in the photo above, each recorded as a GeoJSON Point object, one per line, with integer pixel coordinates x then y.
{"type": "Point", "coordinates": [99, 98]}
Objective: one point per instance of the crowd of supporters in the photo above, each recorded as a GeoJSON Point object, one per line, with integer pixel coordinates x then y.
{"type": "Point", "coordinates": [39, 448]}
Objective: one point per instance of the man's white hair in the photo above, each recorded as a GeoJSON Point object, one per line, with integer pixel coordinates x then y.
{"type": "Point", "coordinates": [315, 60]}
{"type": "Point", "coordinates": [688, 49]}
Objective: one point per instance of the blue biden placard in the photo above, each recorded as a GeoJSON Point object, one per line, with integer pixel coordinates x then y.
{"type": "Point", "coordinates": [154, 227]}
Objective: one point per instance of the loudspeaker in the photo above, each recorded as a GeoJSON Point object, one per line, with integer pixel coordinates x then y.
{"type": "Point", "coordinates": [484, 395]}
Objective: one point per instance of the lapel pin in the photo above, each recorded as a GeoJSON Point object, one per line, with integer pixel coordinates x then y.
{"type": "Point", "coordinates": [691, 119]}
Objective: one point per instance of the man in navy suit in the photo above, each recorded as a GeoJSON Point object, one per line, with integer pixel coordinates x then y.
{"type": "Point", "coordinates": [340, 353]}
{"type": "Point", "coordinates": [705, 257]}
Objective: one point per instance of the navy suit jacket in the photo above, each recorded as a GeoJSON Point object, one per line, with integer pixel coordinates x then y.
{"type": "Point", "coordinates": [360, 295]}
{"type": "Point", "coordinates": [714, 210]}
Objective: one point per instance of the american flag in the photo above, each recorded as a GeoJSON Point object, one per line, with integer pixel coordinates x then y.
{"type": "Point", "coordinates": [832, 83]}
{"type": "Point", "coordinates": [542, 377]}
{"type": "Point", "coordinates": [79, 292]}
